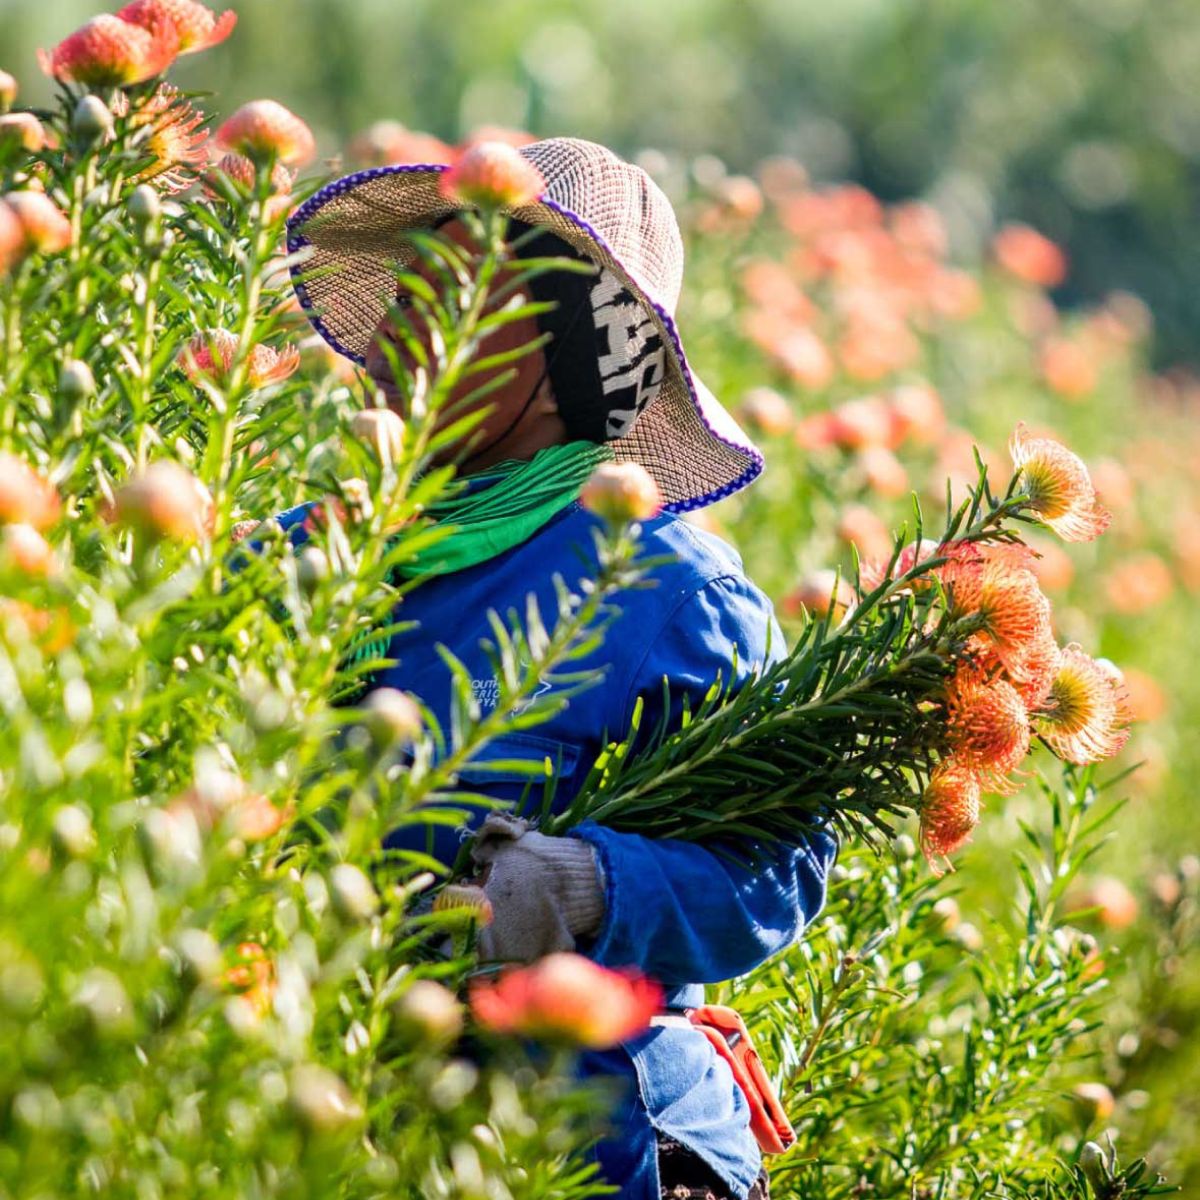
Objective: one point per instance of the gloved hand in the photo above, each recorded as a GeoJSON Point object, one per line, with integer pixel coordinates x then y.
{"type": "Point", "coordinates": [545, 891]}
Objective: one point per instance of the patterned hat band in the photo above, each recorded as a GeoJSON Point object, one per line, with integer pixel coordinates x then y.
{"type": "Point", "coordinates": [606, 358]}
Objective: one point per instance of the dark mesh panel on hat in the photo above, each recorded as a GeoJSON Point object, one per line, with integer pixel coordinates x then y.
{"type": "Point", "coordinates": [610, 211]}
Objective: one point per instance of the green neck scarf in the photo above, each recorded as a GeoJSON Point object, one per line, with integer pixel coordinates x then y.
{"type": "Point", "coordinates": [504, 506]}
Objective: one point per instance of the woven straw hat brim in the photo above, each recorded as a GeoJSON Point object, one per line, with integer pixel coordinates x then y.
{"type": "Point", "coordinates": [353, 231]}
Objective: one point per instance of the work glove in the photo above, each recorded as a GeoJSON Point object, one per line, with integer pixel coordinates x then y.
{"type": "Point", "coordinates": [545, 892]}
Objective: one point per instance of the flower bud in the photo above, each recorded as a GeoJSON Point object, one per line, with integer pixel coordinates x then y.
{"type": "Point", "coordinates": [26, 551]}
{"type": "Point", "coordinates": [1094, 1164]}
{"type": "Point", "coordinates": [321, 1100]}
{"type": "Point", "coordinates": [8, 91]}
{"type": "Point", "coordinates": [429, 1011]}
{"type": "Point", "coordinates": [73, 833]}
{"type": "Point", "coordinates": [354, 896]}
{"type": "Point", "coordinates": [621, 492]}
{"type": "Point", "coordinates": [491, 175]}
{"type": "Point", "coordinates": [382, 430]}
{"type": "Point", "coordinates": [392, 717]}
{"type": "Point", "coordinates": [76, 381]}
{"type": "Point", "coordinates": [144, 205]}
{"type": "Point", "coordinates": [92, 120]}
{"type": "Point", "coordinates": [102, 997]}
{"type": "Point", "coordinates": [25, 497]}
{"type": "Point", "coordinates": [199, 954]}
{"type": "Point", "coordinates": [166, 501]}
{"type": "Point", "coordinates": [312, 568]}
{"type": "Point", "coordinates": [904, 847]}
{"type": "Point", "coordinates": [43, 223]}
{"type": "Point", "coordinates": [22, 129]}
{"type": "Point", "coordinates": [1093, 1102]}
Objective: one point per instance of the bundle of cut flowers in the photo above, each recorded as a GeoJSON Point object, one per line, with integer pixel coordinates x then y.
{"type": "Point", "coordinates": [927, 694]}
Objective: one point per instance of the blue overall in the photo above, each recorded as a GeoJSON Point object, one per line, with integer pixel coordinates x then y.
{"type": "Point", "coordinates": [683, 914]}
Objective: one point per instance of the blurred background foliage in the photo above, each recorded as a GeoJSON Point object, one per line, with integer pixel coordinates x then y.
{"type": "Point", "coordinates": [1080, 117]}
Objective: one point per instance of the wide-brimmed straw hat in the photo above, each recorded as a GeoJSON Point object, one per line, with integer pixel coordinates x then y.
{"type": "Point", "coordinates": [609, 210]}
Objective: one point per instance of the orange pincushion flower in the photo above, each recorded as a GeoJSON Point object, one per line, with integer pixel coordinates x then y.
{"type": "Point", "coordinates": [110, 52]}
{"type": "Point", "coordinates": [1059, 487]}
{"type": "Point", "coordinates": [252, 976]}
{"type": "Point", "coordinates": [1007, 601]}
{"type": "Point", "coordinates": [1068, 368]}
{"type": "Point", "coordinates": [25, 497]}
{"type": "Point", "coordinates": [568, 997]}
{"type": "Point", "coordinates": [1032, 667]}
{"type": "Point", "coordinates": [1030, 256]}
{"type": "Point", "coordinates": [265, 129]}
{"type": "Point", "coordinates": [466, 901]}
{"type": "Point", "coordinates": [197, 27]}
{"type": "Point", "coordinates": [210, 356]}
{"type": "Point", "coordinates": [492, 175]}
{"type": "Point", "coordinates": [949, 809]}
{"type": "Point", "coordinates": [43, 224]}
{"type": "Point", "coordinates": [12, 239]}
{"type": "Point", "coordinates": [1084, 714]}
{"type": "Point", "coordinates": [1138, 584]}
{"type": "Point", "coordinates": [168, 132]}
{"type": "Point", "coordinates": [241, 170]}
{"type": "Point", "coordinates": [386, 142]}
{"type": "Point", "coordinates": [987, 726]}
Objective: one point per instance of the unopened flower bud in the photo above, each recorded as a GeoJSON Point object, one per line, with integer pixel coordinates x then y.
{"type": "Point", "coordinates": [430, 1011]}
{"type": "Point", "coordinates": [166, 500]}
{"type": "Point", "coordinates": [91, 120]}
{"type": "Point", "coordinates": [22, 129]}
{"type": "Point", "coordinates": [321, 1100]}
{"type": "Point", "coordinates": [103, 998]}
{"type": "Point", "coordinates": [312, 568]}
{"type": "Point", "coordinates": [382, 430]}
{"type": "Point", "coordinates": [199, 954]}
{"type": "Point", "coordinates": [73, 833]}
{"type": "Point", "coordinates": [1094, 1164]}
{"type": "Point", "coordinates": [8, 91]}
{"type": "Point", "coordinates": [1093, 1102]}
{"type": "Point", "coordinates": [393, 717]}
{"type": "Point", "coordinates": [76, 381]}
{"type": "Point", "coordinates": [354, 896]}
{"type": "Point", "coordinates": [144, 205]}
{"type": "Point", "coordinates": [904, 847]}
{"type": "Point", "coordinates": [621, 492]}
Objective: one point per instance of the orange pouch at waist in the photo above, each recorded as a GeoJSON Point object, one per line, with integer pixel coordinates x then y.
{"type": "Point", "coordinates": [731, 1040]}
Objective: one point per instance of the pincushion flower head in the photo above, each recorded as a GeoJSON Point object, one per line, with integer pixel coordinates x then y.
{"type": "Point", "coordinates": [25, 497]}
{"type": "Point", "coordinates": [492, 175]}
{"type": "Point", "coordinates": [567, 997]}
{"type": "Point", "coordinates": [264, 130]}
{"type": "Point", "coordinates": [110, 52]}
{"type": "Point", "coordinates": [1084, 715]}
{"type": "Point", "coordinates": [1006, 601]}
{"type": "Point", "coordinates": [44, 225]}
{"type": "Point", "coordinates": [949, 809]}
{"type": "Point", "coordinates": [987, 725]}
{"type": "Point", "coordinates": [210, 355]}
{"type": "Point", "coordinates": [170, 133]}
{"type": "Point", "coordinates": [196, 26]}
{"type": "Point", "coordinates": [1059, 488]}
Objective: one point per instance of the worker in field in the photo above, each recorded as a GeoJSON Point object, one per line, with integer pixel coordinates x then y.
{"type": "Point", "coordinates": [610, 384]}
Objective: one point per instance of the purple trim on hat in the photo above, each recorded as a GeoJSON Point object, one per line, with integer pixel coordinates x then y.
{"type": "Point", "coordinates": [296, 241]}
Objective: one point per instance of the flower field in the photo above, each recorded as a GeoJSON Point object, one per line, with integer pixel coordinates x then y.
{"type": "Point", "coordinates": [211, 980]}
